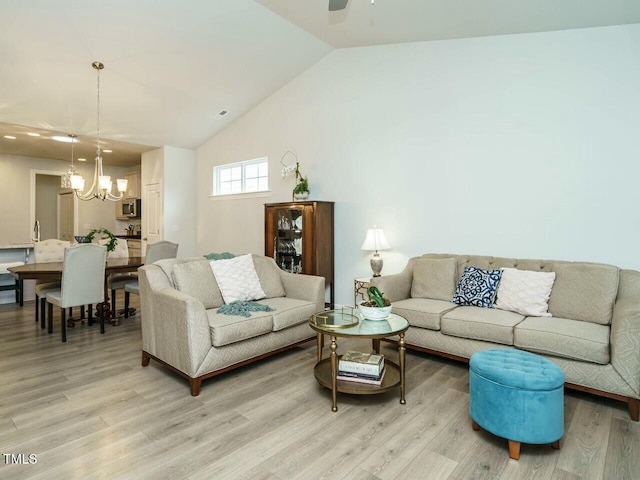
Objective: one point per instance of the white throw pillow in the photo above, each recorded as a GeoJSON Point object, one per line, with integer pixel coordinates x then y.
{"type": "Point", "coordinates": [237, 279]}
{"type": "Point", "coordinates": [525, 292]}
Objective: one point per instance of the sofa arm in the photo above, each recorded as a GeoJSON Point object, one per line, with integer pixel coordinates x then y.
{"type": "Point", "coordinates": [625, 329]}
{"type": "Point", "coordinates": [304, 287]}
{"type": "Point", "coordinates": [395, 287]}
{"type": "Point", "coordinates": [175, 328]}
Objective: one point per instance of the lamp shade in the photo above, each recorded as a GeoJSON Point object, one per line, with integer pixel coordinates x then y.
{"type": "Point", "coordinates": [375, 240]}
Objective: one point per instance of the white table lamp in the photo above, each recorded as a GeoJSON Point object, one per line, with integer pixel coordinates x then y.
{"type": "Point", "coordinates": [374, 241]}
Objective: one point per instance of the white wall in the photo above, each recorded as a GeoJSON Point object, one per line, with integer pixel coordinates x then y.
{"type": "Point", "coordinates": [516, 145]}
{"type": "Point", "coordinates": [180, 199]}
{"type": "Point", "coordinates": [175, 169]}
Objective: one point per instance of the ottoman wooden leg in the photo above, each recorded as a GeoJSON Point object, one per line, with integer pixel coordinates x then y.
{"type": "Point", "coordinates": [514, 450]}
{"type": "Point", "coordinates": [556, 445]}
{"type": "Point", "coordinates": [474, 425]}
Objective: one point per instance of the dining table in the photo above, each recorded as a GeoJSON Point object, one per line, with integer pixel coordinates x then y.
{"type": "Point", "coordinates": [52, 271]}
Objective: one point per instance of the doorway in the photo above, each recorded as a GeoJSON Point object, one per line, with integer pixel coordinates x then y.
{"type": "Point", "coordinates": [152, 215]}
{"type": "Point", "coordinates": [54, 207]}
{"type": "Point", "coordinates": [66, 209]}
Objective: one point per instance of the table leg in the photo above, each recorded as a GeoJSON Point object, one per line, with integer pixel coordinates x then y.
{"type": "Point", "coordinates": [334, 375]}
{"type": "Point", "coordinates": [376, 345]}
{"type": "Point", "coordinates": [401, 350]}
{"type": "Point", "coordinates": [104, 308]}
{"type": "Point", "coordinates": [320, 341]}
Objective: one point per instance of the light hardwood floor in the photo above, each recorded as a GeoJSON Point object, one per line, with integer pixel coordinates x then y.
{"type": "Point", "coordinates": [87, 409]}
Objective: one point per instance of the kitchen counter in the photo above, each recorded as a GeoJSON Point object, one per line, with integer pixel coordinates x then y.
{"type": "Point", "coordinates": [16, 246]}
{"type": "Point", "coordinates": [15, 252]}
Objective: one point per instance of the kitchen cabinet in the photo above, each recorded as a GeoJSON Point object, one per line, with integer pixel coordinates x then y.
{"type": "Point", "coordinates": [299, 237]}
{"type": "Point", "coordinates": [135, 247]}
{"type": "Point", "coordinates": [133, 185]}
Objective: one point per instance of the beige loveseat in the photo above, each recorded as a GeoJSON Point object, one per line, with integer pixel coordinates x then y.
{"type": "Point", "coordinates": [593, 333]}
{"type": "Point", "coordinates": [181, 328]}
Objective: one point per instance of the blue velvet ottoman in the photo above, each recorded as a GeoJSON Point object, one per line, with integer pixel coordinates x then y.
{"type": "Point", "coordinates": [518, 396]}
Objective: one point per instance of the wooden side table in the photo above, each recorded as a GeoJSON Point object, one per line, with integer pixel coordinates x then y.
{"type": "Point", "coordinates": [360, 286]}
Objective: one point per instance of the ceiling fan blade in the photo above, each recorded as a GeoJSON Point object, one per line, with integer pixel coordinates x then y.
{"type": "Point", "coordinates": [337, 5]}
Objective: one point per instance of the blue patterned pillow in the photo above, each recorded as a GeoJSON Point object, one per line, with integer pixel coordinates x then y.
{"type": "Point", "coordinates": [477, 287]}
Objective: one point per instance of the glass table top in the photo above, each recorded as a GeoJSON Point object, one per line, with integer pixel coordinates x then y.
{"type": "Point", "coordinates": [349, 322]}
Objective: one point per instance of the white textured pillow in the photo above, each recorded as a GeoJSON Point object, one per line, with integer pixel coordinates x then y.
{"type": "Point", "coordinates": [525, 292]}
{"type": "Point", "coordinates": [237, 279]}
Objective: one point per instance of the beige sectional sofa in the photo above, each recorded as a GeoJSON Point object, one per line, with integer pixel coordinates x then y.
{"type": "Point", "coordinates": [593, 333]}
{"type": "Point", "coordinates": [181, 328]}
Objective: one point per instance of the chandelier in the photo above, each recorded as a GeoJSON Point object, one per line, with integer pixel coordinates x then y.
{"type": "Point", "coordinates": [65, 180]}
{"type": "Point", "coordinates": [101, 186]}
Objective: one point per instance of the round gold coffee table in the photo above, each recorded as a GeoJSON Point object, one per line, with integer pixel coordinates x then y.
{"type": "Point", "coordinates": [348, 324]}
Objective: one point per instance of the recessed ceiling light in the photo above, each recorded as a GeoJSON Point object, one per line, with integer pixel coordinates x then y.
{"type": "Point", "coordinates": [106, 150]}
{"type": "Point", "coordinates": [81, 159]}
{"type": "Point", "coordinates": [10, 137]}
{"type": "Point", "coordinates": [60, 138]}
{"type": "Point", "coordinates": [32, 134]}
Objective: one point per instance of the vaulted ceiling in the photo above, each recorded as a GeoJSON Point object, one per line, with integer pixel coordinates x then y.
{"type": "Point", "coordinates": [171, 67]}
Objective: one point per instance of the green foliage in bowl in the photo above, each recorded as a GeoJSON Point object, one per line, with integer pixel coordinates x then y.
{"type": "Point", "coordinates": [376, 298]}
{"type": "Point", "coordinates": [113, 241]}
{"type": "Point", "coordinates": [377, 307]}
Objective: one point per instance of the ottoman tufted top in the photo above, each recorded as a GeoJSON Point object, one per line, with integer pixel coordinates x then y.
{"type": "Point", "coordinates": [517, 369]}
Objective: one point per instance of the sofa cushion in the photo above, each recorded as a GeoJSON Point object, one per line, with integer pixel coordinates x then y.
{"type": "Point", "coordinates": [434, 278]}
{"type": "Point", "coordinates": [525, 292]}
{"type": "Point", "coordinates": [237, 279]}
{"type": "Point", "coordinates": [562, 337]}
{"type": "Point", "coordinates": [269, 276]}
{"type": "Point", "coordinates": [477, 287]}
{"type": "Point", "coordinates": [584, 291]}
{"type": "Point", "coordinates": [167, 264]}
{"type": "Point", "coordinates": [481, 324]}
{"type": "Point", "coordinates": [289, 312]}
{"type": "Point", "coordinates": [196, 279]}
{"type": "Point", "coordinates": [227, 329]}
{"type": "Point", "coordinates": [422, 312]}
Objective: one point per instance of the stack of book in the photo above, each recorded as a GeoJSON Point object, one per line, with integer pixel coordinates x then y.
{"type": "Point", "coordinates": [361, 367]}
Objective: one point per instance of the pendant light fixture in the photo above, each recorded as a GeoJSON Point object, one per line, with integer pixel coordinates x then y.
{"type": "Point", "coordinates": [101, 186]}
{"type": "Point", "coordinates": [65, 179]}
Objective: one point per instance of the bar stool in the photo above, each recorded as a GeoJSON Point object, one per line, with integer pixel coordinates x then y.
{"type": "Point", "coordinates": [17, 285]}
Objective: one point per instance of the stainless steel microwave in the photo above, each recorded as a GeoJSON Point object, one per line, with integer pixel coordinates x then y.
{"type": "Point", "coordinates": [130, 208]}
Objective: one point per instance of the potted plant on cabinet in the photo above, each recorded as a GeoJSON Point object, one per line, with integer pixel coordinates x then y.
{"type": "Point", "coordinates": [301, 190]}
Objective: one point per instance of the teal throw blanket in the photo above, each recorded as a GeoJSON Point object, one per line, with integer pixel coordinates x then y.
{"type": "Point", "coordinates": [243, 308]}
{"type": "Point", "coordinates": [219, 256]}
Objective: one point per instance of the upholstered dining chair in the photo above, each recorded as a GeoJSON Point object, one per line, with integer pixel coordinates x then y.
{"type": "Point", "coordinates": [45, 251]}
{"type": "Point", "coordinates": [82, 282]}
{"type": "Point", "coordinates": [117, 281]}
{"type": "Point", "coordinates": [155, 251]}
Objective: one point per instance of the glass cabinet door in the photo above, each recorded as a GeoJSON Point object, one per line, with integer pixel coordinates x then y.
{"type": "Point", "coordinates": [288, 239]}
{"type": "Point", "coordinates": [299, 238]}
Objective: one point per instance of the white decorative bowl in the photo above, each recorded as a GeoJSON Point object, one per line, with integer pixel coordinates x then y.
{"type": "Point", "coordinates": [375, 313]}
